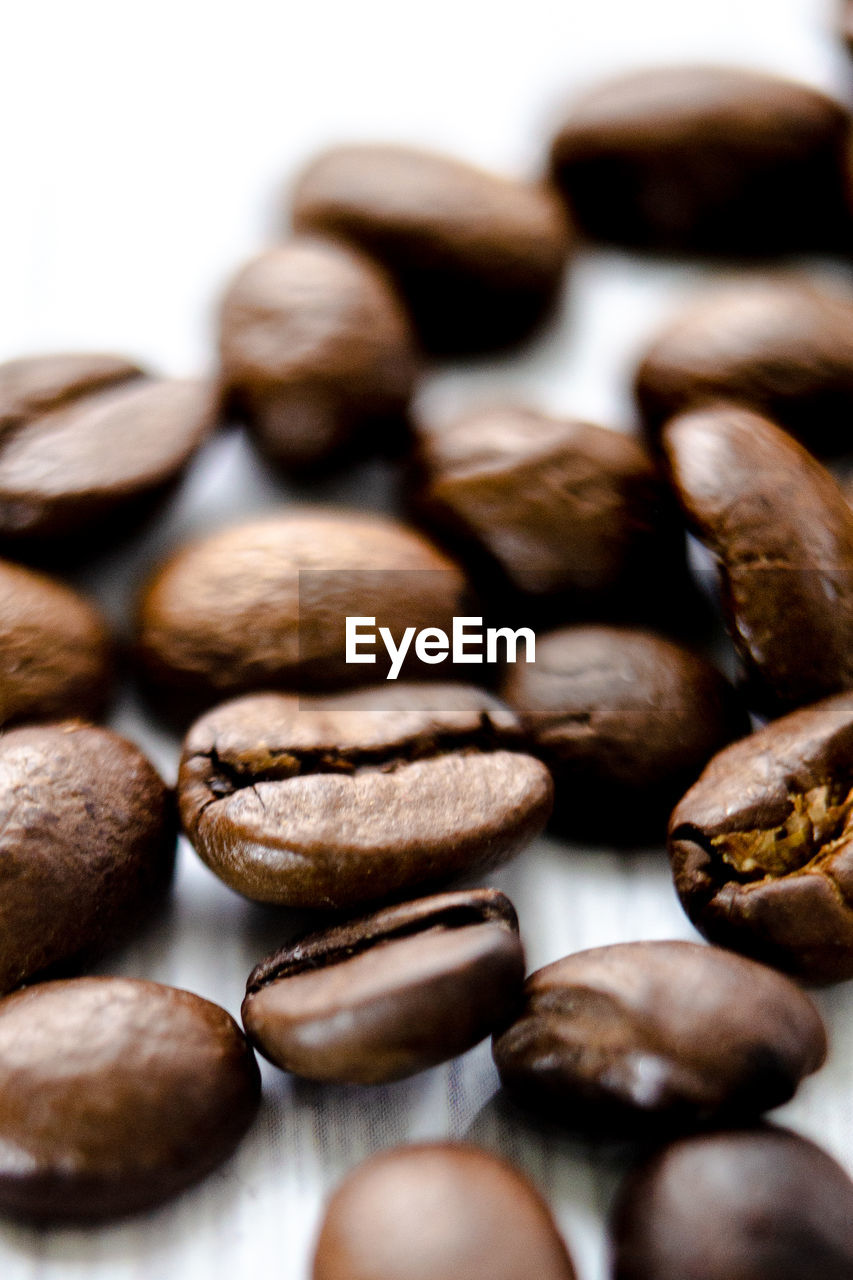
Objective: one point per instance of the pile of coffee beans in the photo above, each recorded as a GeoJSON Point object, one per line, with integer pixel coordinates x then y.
{"type": "Point", "coordinates": [376, 789]}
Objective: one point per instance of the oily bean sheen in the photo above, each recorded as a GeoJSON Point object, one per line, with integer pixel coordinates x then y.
{"type": "Point", "coordinates": [762, 845]}
{"type": "Point", "coordinates": [264, 604]}
{"type": "Point", "coordinates": [55, 652]}
{"type": "Point", "coordinates": [705, 159]}
{"type": "Point", "coordinates": [87, 842]}
{"type": "Point", "coordinates": [477, 257]}
{"type": "Point", "coordinates": [646, 1036]}
{"type": "Point", "coordinates": [782, 534]}
{"type": "Point", "coordinates": [336, 801]}
{"type": "Point", "coordinates": [317, 354]}
{"type": "Point", "coordinates": [760, 1204]}
{"type": "Point", "coordinates": [385, 996]}
{"type": "Point", "coordinates": [781, 345]}
{"type": "Point", "coordinates": [114, 1095]}
{"type": "Point", "coordinates": [86, 439]}
{"type": "Point", "coordinates": [625, 720]}
{"type": "Point", "coordinates": [438, 1211]}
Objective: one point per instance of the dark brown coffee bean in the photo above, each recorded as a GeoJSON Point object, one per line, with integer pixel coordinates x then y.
{"type": "Point", "coordinates": [55, 652]}
{"type": "Point", "coordinates": [114, 1095]}
{"type": "Point", "coordinates": [653, 1036]}
{"type": "Point", "coordinates": [87, 842]}
{"type": "Point", "coordinates": [392, 993]}
{"type": "Point", "coordinates": [330, 802]}
{"type": "Point", "coordinates": [477, 257]}
{"type": "Point", "coordinates": [438, 1211]}
{"type": "Point", "coordinates": [762, 847]}
{"type": "Point", "coordinates": [762, 1204]}
{"type": "Point", "coordinates": [782, 534]}
{"type": "Point", "coordinates": [316, 352]}
{"type": "Point", "coordinates": [781, 345]}
{"type": "Point", "coordinates": [264, 604]}
{"type": "Point", "coordinates": [707, 160]}
{"type": "Point", "coordinates": [625, 720]}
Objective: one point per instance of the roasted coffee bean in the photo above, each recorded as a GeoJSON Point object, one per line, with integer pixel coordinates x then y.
{"type": "Point", "coordinates": [87, 843]}
{"type": "Point", "coordinates": [651, 1036]}
{"type": "Point", "coordinates": [317, 354]}
{"type": "Point", "coordinates": [625, 720]}
{"type": "Point", "coordinates": [706, 160]}
{"type": "Point", "coordinates": [782, 534]}
{"type": "Point", "coordinates": [438, 1211]}
{"type": "Point", "coordinates": [780, 345]}
{"type": "Point", "coordinates": [330, 802]}
{"type": "Point", "coordinates": [392, 993]}
{"type": "Point", "coordinates": [760, 1204]}
{"type": "Point", "coordinates": [55, 652]}
{"type": "Point", "coordinates": [478, 258]}
{"type": "Point", "coordinates": [762, 845]}
{"type": "Point", "coordinates": [85, 440]}
{"type": "Point", "coordinates": [114, 1095]}
{"type": "Point", "coordinates": [264, 604]}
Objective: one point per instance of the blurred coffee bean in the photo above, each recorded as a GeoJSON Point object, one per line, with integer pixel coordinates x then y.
{"type": "Point", "coordinates": [846, 22]}
{"type": "Point", "coordinates": [704, 159]}
{"type": "Point", "coordinates": [478, 257]}
{"type": "Point", "coordinates": [33, 385]}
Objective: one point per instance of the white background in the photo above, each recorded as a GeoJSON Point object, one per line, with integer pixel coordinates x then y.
{"type": "Point", "coordinates": [144, 150]}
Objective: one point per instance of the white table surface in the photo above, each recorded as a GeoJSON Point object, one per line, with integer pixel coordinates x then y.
{"type": "Point", "coordinates": [143, 151]}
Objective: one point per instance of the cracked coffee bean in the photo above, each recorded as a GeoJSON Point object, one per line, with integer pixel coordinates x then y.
{"type": "Point", "coordinates": [625, 720]}
{"type": "Point", "coordinates": [644, 1037]}
{"type": "Point", "coordinates": [478, 258]}
{"type": "Point", "coordinates": [87, 844]}
{"type": "Point", "coordinates": [115, 1094]}
{"type": "Point", "coordinates": [317, 354]}
{"type": "Point", "coordinates": [388, 995]}
{"type": "Point", "coordinates": [762, 845]}
{"type": "Point", "coordinates": [707, 160]}
{"type": "Point", "coordinates": [782, 534]}
{"type": "Point", "coordinates": [331, 802]}
{"type": "Point", "coordinates": [762, 1204]}
{"type": "Point", "coordinates": [438, 1211]}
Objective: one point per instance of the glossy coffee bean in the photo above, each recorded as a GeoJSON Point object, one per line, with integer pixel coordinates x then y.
{"type": "Point", "coordinates": [477, 257]}
{"type": "Point", "coordinates": [705, 159]}
{"type": "Point", "coordinates": [761, 846]}
{"type": "Point", "coordinates": [781, 345]}
{"type": "Point", "coordinates": [264, 604]}
{"type": "Point", "coordinates": [653, 1036]}
{"type": "Point", "coordinates": [316, 352]}
{"type": "Point", "coordinates": [761, 1204]}
{"type": "Point", "coordinates": [782, 535]}
{"type": "Point", "coordinates": [438, 1211]}
{"type": "Point", "coordinates": [390, 994]}
{"type": "Point", "coordinates": [87, 842]}
{"type": "Point", "coordinates": [55, 652]}
{"type": "Point", "coordinates": [114, 1095]}
{"type": "Point", "coordinates": [625, 720]}
{"type": "Point", "coordinates": [333, 802]}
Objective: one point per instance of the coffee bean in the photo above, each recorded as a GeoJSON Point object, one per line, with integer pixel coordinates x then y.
{"type": "Point", "coordinates": [333, 802]}
{"type": "Point", "coordinates": [264, 604]}
{"type": "Point", "coordinates": [317, 354]}
{"type": "Point", "coordinates": [846, 22]}
{"type": "Point", "coordinates": [653, 1036]}
{"type": "Point", "coordinates": [708, 160]}
{"type": "Point", "coordinates": [477, 257]}
{"type": "Point", "coordinates": [782, 535]}
{"type": "Point", "coordinates": [87, 840]}
{"type": "Point", "coordinates": [55, 652]}
{"type": "Point", "coordinates": [763, 1204]}
{"type": "Point", "coordinates": [390, 994]}
{"type": "Point", "coordinates": [438, 1211]}
{"type": "Point", "coordinates": [625, 720]}
{"type": "Point", "coordinates": [34, 385]}
{"type": "Point", "coordinates": [760, 846]}
{"type": "Point", "coordinates": [114, 1095]}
